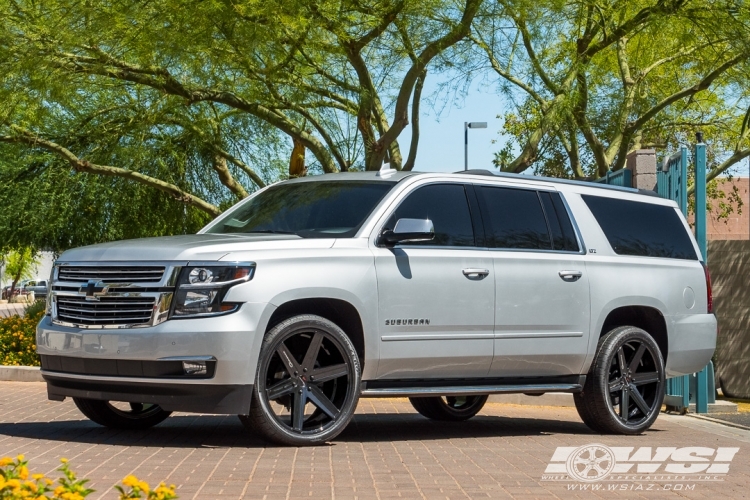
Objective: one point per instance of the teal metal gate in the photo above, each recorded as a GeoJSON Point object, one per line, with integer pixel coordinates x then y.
{"type": "Point", "coordinates": [671, 182]}
{"type": "Point", "coordinates": [622, 177]}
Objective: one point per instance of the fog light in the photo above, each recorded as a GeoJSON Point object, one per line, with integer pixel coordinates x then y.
{"type": "Point", "coordinates": [194, 367]}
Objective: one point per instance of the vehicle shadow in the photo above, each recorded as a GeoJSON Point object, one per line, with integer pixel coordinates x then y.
{"type": "Point", "coordinates": [201, 431]}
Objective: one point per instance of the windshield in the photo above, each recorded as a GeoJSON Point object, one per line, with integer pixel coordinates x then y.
{"type": "Point", "coordinates": [320, 209]}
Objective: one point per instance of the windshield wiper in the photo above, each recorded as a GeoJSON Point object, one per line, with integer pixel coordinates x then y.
{"type": "Point", "coordinates": [271, 231]}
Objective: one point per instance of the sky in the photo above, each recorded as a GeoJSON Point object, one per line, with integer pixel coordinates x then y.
{"type": "Point", "coordinates": [441, 138]}
{"type": "Point", "coordinates": [441, 135]}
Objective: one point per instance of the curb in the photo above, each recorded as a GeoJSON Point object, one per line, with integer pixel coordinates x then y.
{"type": "Point", "coordinates": [718, 421]}
{"type": "Point", "coordinates": [20, 374]}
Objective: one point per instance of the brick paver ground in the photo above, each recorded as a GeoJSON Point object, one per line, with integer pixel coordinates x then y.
{"type": "Point", "coordinates": [389, 451]}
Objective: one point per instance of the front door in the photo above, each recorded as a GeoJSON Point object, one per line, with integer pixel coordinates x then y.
{"type": "Point", "coordinates": [436, 298]}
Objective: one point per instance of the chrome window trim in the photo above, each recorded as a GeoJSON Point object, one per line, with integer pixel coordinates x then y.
{"type": "Point", "coordinates": [543, 189]}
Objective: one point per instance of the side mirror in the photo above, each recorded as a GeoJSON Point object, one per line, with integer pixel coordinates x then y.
{"type": "Point", "coordinates": [408, 230]}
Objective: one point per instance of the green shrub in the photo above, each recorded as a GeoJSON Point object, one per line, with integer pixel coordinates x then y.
{"type": "Point", "coordinates": [35, 308]}
{"type": "Point", "coordinates": [18, 337]}
{"type": "Point", "coordinates": [17, 484]}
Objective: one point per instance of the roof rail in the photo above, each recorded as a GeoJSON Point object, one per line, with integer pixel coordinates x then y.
{"type": "Point", "coordinates": [592, 184]}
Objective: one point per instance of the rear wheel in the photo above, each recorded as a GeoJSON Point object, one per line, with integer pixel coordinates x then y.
{"type": "Point", "coordinates": [624, 389]}
{"type": "Point", "coordinates": [449, 408]}
{"type": "Point", "coordinates": [307, 384]}
{"type": "Point", "coordinates": [121, 415]}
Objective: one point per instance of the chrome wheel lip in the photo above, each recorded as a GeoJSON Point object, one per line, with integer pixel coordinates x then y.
{"type": "Point", "coordinates": [305, 385]}
{"type": "Point", "coordinates": [630, 378]}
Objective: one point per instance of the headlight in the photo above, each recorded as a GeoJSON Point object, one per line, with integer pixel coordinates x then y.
{"type": "Point", "coordinates": [201, 289]}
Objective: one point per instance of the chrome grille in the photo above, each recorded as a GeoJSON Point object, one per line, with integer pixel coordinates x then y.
{"type": "Point", "coordinates": [113, 310]}
{"type": "Point", "coordinates": [111, 274]}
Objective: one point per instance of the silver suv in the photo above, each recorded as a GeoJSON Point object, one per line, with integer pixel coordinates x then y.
{"type": "Point", "coordinates": [443, 288]}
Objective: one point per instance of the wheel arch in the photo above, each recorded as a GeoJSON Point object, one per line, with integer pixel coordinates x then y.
{"type": "Point", "coordinates": [339, 311]}
{"type": "Point", "coordinates": [648, 318]}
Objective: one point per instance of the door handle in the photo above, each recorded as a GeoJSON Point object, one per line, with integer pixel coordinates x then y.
{"type": "Point", "coordinates": [476, 274]}
{"type": "Point", "coordinates": [570, 275]}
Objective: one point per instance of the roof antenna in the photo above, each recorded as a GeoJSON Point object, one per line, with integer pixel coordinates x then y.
{"type": "Point", "coordinates": [386, 170]}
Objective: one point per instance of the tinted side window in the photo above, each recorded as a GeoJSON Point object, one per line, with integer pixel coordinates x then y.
{"type": "Point", "coordinates": [446, 206]}
{"type": "Point", "coordinates": [644, 229]}
{"type": "Point", "coordinates": [514, 218]}
{"type": "Point", "coordinates": [563, 234]}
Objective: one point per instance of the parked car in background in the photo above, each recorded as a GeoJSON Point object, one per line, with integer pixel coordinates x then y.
{"type": "Point", "coordinates": [39, 287]}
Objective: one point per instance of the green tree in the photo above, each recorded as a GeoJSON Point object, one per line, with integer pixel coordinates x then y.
{"type": "Point", "coordinates": [19, 265]}
{"type": "Point", "coordinates": [591, 81]}
{"type": "Point", "coordinates": [197, 103]}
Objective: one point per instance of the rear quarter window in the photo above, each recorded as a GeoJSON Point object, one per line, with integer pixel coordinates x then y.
{"type": "Point", "coordinates": [642, 229]}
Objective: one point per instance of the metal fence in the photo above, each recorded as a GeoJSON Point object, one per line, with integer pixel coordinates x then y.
{"type": "Point", "coordinates": [622, 177]}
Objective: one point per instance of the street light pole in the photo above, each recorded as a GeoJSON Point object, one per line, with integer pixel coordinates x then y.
{"type": "Point", "coordinates": [467, 126]}
{"type": "Point", "coordinates": [466, 145]}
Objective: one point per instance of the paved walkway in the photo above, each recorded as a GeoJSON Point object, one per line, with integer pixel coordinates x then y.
{"type": "Point", "coordinates": [388, 451]}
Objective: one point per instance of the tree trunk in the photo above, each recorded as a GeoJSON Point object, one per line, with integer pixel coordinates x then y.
{"type": "Point", "coordinates": [297, 161]}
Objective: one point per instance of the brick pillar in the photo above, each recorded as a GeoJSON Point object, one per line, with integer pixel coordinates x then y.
{"type": "Point", "coordinates": [642, 163]}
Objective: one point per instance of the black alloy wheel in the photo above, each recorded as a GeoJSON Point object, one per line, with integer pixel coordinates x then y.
{"type": "Point", "coordinates": [624, 390]}
{"type": "Point", "coordinates": [118, 415]}
{"type": "Point", "coordinates": [307, 384]}
{"type": "Point", "coordinates": [449, 408]}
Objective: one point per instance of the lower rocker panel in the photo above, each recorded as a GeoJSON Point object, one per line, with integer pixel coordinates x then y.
{"type": "Point", "coordinates": [415, 388]}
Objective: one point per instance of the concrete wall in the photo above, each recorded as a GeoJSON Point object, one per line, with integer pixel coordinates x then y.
{"type": "Point", "coordinates": [729, 262]}
{"type": "Point", "coordinates": [737, 225]}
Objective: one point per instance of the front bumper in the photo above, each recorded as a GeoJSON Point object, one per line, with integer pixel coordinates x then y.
{"type": "Point", "coordinates": [99, 363]}
{"type": "Point", "coordinates": [197, 398]}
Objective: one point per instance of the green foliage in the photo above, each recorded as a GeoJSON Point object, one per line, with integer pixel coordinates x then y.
{"type": "Point", "coordinates": [34, 310]}
{"type": "Point", "coordinates": [19, 265]}
{"type": "Point", "coordinates": [16, 483]}
{"type": "Point", "coordinates": [18, 337]}
{"type": "Point", "coordinates": [591, 81]}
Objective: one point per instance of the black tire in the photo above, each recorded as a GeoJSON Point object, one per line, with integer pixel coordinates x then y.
{"type": "Point", "coordinates": [320, 366]}
{"type": "Point", "coordinates": [139, 416]}
{"type": "Point", "coordinates": [624, 389]}
{"type": "Point", "coordinates": [449, 408]}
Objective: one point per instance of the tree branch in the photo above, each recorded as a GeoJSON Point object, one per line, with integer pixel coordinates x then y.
{"type": "Point", "coordinates": [661, 7]}
{"type": "Point", "coordinates": [454, 35]}
{"type": "Point", "coordinates": [409, 165]}
{"type": "Point", "coordinates": [687, 92]}
{"type": "Point", "coordinates": [160, 79]}
{"type": "Point", "coordinates": [506, 73]}
{"type": "Point", "coordinates": [526, 37]}
{"type": "Point", "coordinates": [26, 137]}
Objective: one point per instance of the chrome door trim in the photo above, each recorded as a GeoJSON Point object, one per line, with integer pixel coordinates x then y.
{"type": "Point", "coordinates": [536, 335]}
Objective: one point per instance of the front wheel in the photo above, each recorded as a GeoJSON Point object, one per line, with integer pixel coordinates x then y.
{"type": "Point", "coordinates": [449, 408]}
{"type": "Point", "coordinates": [307, 384]}
{"type": "Point", "coordinates": [624, 389]}
{"type": "Point", "coordinates": [121, 415]}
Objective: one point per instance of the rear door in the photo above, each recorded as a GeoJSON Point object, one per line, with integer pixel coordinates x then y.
{"type": "Point", "coordinates": [436, 298]}
{"type": "Point", "coordinates": [542, 305]}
